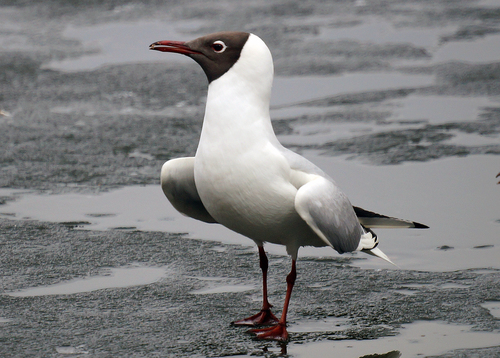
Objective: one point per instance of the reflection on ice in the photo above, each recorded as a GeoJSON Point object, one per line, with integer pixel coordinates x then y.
{"type": "Point", "coordinates": [454, 286]}
{"type": "Point", "coordinates": [294, 90]}
{"type": "Point", "coordinates": [483, 50]}
{"type": "Point", "coordinates": [329, 324]}
{"type": "Point", "coordinates": [319, 133]}
{"type": "Point", "coordinates": [219, 285]}
{"type": "Point", "coordinates": [377, 31]}
{"type": "Point", "coordinates": [69, 350]}
{"type": "Point", "coordinates": [117, 277]}
{"type": "Point", "coordinates": [414, 340]}
{"type": "Point", "coordinates": [471, 139]}
{"type": "Point", "coordinates": [384, 32]}
{"type": "Point", "coordinates": [440, 109]}
{"type": "Point", "coordinates": [223, 289]}
{"type": "Point", "coordinates": [493, 307]}
{"type": "Point", "coordinates": [121, 42]}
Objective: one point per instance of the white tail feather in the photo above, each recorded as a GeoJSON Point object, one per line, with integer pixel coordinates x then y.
{"type": "Point", "coordinates": [368, 244]}
{"type": "Point", "coordinates": [377, 252]}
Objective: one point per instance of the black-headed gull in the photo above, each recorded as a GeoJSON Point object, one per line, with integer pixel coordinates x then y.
{"type": "Point", "coordinates": [243, 178]}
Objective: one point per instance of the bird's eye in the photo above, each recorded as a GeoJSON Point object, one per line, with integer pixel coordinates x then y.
{"type": "Point", "coordinates": [219, 46]}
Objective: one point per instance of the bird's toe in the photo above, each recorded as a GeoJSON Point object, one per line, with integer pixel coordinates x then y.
{"type": "Point", "coordinates": [275, 333]}
{"type": "Point", "coordinates": [264, 318]}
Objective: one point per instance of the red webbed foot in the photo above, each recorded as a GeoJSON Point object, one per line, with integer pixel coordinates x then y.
{"type": "Point", "coordinates": [275, 333]}
{"type": "Point", "coordinates": [264, 318]}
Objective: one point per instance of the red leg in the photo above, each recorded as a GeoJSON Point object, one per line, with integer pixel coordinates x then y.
{"type": "Point", "coordinates": [265, 316]}
{"type": "Point", "coordinates": [279, 332]}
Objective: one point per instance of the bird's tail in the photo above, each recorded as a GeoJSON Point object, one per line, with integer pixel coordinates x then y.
{"type": "Point", "coordinates": [368, 244]}
{"type": "Point", "coordinates": [369, 219]}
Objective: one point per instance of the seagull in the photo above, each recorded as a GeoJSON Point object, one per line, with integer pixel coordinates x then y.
{"type": "Point", "coordinates": [243, 178]}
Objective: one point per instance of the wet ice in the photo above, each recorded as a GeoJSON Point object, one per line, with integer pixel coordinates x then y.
{"type": "Point", "coordinates": [358, 84]}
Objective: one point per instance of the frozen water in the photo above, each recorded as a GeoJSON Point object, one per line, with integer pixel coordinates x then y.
{"type": "Point", "coordinates": [373, 30]}
{"type": "Point", "coordinates": [414, 340]}
{"type": "Point", "coordinates": [440, 109]}
{"type": "Point", "coordinates": [293, 90]}
{"type": "Point", "coordinates": [483, 50]}
{"type": "Point", "coordinates": [223, 289]}
{"type": "Point", "coordinates": [74, 74]}
{"type": "Point", "coordinates": [121, 42]}
{"type": "Point", "coordinates": [116, 278]}
{"type": "Point", "coordinates": [493, 307]}
{"type": "Point", "coordinates": [320, 325]}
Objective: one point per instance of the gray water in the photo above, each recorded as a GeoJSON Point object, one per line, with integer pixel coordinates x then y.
{"type": "Point", "coordinates": [398, 101]}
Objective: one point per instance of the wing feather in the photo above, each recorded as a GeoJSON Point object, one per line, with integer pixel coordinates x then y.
{"type": "Point", "coordinates": [329, 213]}
{"type": "Point", "coordinates": [177, 182]}
{"type": "Point", "coordinates": [373, 220]}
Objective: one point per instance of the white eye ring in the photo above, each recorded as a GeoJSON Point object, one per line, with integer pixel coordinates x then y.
{"type": "Point", "coordinates": [219, 46]}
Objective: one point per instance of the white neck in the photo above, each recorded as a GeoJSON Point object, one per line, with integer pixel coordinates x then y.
{"type": "Point", "coordinates": [238, 101]}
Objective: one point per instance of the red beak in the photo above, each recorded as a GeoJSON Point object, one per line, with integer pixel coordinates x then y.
{"type": "Point", "coordinates": [173, 46]}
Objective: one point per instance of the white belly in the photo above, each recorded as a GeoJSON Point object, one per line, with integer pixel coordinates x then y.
{"type": "Point", "coordinates": [250, 193]}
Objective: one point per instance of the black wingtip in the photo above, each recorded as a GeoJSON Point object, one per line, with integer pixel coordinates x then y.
{"type": "Point", "coordinates": [420, 226]}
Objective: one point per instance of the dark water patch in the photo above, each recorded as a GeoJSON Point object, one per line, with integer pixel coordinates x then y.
{"type": "Point", "coordinates": [124, 228]}
{"type": "Point", "coordinates": [75, 224]}
{"type": "Point", "coordinates": [343, 56]}
{"type": "Point", "coordinates": [465, 78]}
{"type": "Point", "coordinates": [392, 354]}
{"type": "Point", "coordinates": [18, 72]}
{"type": "Point", "coordinates": [445, 248]}
{"type": "Point", "coordinates": [415, 144]}
{"type": "Point", "coordinates": [484, 246]}
{"type": "Point", "coordinates": [8, 214]}
{"type": "Point", "coordinates": [340, 261]}
{"type": "Point", "coordinates": [472, 13]}
{"type": "Point", "coordinates": [471, 32]}
{"type": "Point", "coordinates": [100, 215]}
{"type": "Point", "coordinates": [359, 98]}
{"type": "Point", "coordinates": [5, 199]}
{"type": "Point", "coordinates": [344, 115]}
{"type": "Point", "coordinates": [283, 126]}
{"type": "Point", "coordinates": [325, 65]}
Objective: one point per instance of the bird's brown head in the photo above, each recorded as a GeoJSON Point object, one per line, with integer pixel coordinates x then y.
{"type": "Point", "coordinates": [215, 53]}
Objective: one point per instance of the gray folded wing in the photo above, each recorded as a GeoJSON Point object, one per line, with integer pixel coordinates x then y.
{"type": "Point", "coordinates": [329, 213]}
{"type": "Point", "coordinates": [177, 182]}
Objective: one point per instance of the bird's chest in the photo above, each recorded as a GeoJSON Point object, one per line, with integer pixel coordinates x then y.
{"type": "Point", "coordinates": [243, 189]}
